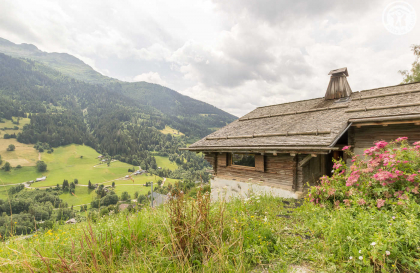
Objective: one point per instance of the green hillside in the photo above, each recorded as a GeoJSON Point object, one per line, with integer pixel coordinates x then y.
{"type": "Point", "coordinates": [164, 99]}
{"type": "Point", "coordinates": [63, 62]}
{"type": "Point", "coordinates": [66, 163]}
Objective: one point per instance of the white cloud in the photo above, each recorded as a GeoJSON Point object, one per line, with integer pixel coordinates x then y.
{"type": "Point", "coordinates": [151, 77]}
{"type": "Point", "coordinates": [236, 55]}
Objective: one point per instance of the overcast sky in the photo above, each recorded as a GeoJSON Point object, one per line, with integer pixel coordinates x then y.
{"type": "Point", "coordinates": [235, 54]}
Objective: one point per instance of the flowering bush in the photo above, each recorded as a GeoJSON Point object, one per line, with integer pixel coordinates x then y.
{"type": "Point", "coordinates": [388, 174]}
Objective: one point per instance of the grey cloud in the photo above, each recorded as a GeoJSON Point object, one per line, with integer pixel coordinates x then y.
{"type": "Point", "coordinates": [290, 11]}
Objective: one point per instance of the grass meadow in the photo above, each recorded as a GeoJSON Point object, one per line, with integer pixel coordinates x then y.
{"type": "Point", "coordinates": [169, 130]}
{"type": "Point", "coordinates": [68, 162]}
{"type": "Point", "coordinates": [25, 154]}
{"type": "Point", "coordinates": [3, 192]}
{"type": "Point", "coordinates": [163, 162]}
{"type": "Point", "coordinates": [255, 234]}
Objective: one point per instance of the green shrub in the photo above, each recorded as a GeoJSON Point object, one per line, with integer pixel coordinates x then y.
{"type": "Point", "coordinates": [387, 175]}
{"type": "Point", "coordinates": [368, 214]}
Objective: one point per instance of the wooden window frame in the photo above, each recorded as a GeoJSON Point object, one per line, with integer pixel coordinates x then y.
{"type": "Point", "coordinates": [240, 167]}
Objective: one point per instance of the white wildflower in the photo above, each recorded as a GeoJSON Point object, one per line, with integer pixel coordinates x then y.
{"type": "Point", "coordinates": [373, 244]}
{"type": "Point", "coordinates": [360, 251]}
{"type": "Point", "coordinates": [351, 257]}
{"type": "Point", "coordinates": [360, 257]}
{"type": "Point", "coordinates": [387, 253]}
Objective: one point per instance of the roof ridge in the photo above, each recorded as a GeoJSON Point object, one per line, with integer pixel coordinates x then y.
{"type": "Point", "coordinates": [365, 90]}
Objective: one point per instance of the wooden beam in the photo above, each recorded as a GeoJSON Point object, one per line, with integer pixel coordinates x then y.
{"type": "Point", "coordinates": [314, 155]}
{"type": "Point", "coordinates": [305, 160]}
{"type": "Point", "coordinates": [385, 123]}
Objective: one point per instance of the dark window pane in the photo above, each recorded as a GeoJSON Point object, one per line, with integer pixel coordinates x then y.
{"type": "Point", "coordinates": [243, 160]}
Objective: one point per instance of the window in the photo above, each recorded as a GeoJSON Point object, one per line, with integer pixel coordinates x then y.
{"type": "Point", "coordinates": [243, 160]}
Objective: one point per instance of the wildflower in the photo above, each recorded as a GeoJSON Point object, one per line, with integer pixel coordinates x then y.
{"type": "Point", "coordinates": [361, 202]}
{"type": "Point", "coordinates": [401, 139]}
{"type": "Point", "coordinates": [411, 177]}
{"type": "Point", "coordinates": [347, 202]}
{"type": "Point", "coordinates": [352, 179]}
{"type": "Point", "coordinates": [331, 191]}
{"type": "Point", "coordinates": [381, 144]}
{"type": "Point", "coordinates": [380, 203]}
{"type": "Point", "coordinates": [351, 258]}
{"type": "Point", "coordinates": [393, 217]}
{"type": "Point", "coordinates": [360, 257]}
{"type": "Point", "coordinates": [387, 253]}
{"type": "Point", "coordinates": [346, 148]}
{"type": "Point", "coordinates": [373, 244]}
{"type": "Point", "coordinates": [360, 251]}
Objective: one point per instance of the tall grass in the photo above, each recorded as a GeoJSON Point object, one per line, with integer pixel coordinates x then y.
{"type": "Point", "coordinates": [196, 235]}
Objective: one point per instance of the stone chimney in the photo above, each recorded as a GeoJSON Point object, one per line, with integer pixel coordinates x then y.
{"type": "Point", "coordinates": [338, 87]}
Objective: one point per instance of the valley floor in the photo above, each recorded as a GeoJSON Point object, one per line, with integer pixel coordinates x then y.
{"type": "Point", "coordinates": [76, 162]}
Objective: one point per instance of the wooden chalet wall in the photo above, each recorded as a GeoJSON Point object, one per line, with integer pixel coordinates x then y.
{"type": "Point", "coordinates": [280, 171]}
{"type": "Point", "coordinates": [310, 172]}
{"type": "Point", "coordinates": [364, 137]}
{"type": "Point", "coordinates": [274, 171]}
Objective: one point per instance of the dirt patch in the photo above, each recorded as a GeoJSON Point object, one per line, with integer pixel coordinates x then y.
{"type": "Point", "coordinates": [19, 161]}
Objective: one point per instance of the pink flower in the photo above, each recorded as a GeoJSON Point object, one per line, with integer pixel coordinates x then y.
{"type": "Point", "coordinates": [412, 177]}
{"type": "Point", "coordinates": [381, 144]}
{"type": "Point", "coordinates": [337, 203]}
{"type": "Point", "coordinates": [347, 202]}
{"type": "Point", "coordinates": [380, 203]}
{"type": "Point", "coordinates": [383, 175]}
{"type": "Point", "coordinates": [367, 170]}
{"type": "Point", "coordinates": [399, 173]}
{"type": "Point", "coordinates": [346, 148]}
{"type": "Point", "coordinates": [361, 202]}
{"type": "Point", "coordinates": [331, 191]}
{"type": "Point", "coordinates": [400, 203]}
{"type": "Point", "coordinates": [352, 179]}
{"type": "Point", "coordinates": [417, 143]}
{"type": "Point", "coordinates": [401, 139]}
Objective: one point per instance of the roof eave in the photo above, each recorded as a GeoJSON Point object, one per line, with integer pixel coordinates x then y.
{"type": "Point", "coordinates": [267, 149]}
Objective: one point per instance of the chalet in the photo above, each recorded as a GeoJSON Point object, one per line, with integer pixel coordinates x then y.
{"type": "Point", "coordinates": [41, 179]}
{"type": "Point", "coordinates": [282, 148]}
{"type": "Point", "coordinates": [71, 221]}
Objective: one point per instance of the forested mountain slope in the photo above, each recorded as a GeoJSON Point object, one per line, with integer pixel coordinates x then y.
{"type": "Point", "coordinates": [182, 109]}
{"type": "Point", "coordinates": [64, 111]}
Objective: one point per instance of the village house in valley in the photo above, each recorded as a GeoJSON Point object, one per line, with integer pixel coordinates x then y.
{"type": "Point", "coordinates": [282, 148]}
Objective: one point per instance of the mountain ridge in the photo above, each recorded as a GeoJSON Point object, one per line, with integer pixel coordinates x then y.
{"type": "Point", "coordinates": [160, 97]}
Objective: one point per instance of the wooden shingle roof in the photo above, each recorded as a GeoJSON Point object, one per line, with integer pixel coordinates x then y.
{"type": "Point", "coordinates": [311, 124]}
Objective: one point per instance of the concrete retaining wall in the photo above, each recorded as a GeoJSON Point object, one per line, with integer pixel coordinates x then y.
{"type": "Point", "coordinates": [230, 188]}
